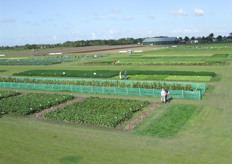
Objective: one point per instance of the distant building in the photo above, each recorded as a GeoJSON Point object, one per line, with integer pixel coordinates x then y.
{"type": "Point", "coordinates": [160, 40]}
{"type": "Point", "coordinates": [194, 41]}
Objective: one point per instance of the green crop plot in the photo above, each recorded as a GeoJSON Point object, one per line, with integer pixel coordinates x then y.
{"type": "Point", "coordinates": [44, 60]}
{"type": "Point", "coordinates": [5, 94]}
{"type": "Point", "coordinates": [98, 111]}
{"type": "Point", "coordinates": [216, 59]}
{"type": "Point", "coordinates": [31, 103]}
{"type": "Point", "coordinates": [106, 73]}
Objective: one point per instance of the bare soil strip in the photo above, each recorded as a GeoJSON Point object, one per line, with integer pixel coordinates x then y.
{"type": "Point", "coordinates": [106, 49]}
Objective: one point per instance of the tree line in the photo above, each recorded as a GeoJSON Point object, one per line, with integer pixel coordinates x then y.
{"type": "Point", "coordinates": [122, 41]}
{"type": "Point", "coordinates": [80, 43]}
{"type": "Point", "coordinates": [207, 39]}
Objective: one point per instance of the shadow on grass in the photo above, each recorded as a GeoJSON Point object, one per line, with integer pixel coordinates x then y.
{"type": "Point", "coordinates": [71, 159]}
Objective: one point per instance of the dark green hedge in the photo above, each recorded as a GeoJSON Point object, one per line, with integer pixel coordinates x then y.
{"type": "Point", "coordinates": [106, 73]}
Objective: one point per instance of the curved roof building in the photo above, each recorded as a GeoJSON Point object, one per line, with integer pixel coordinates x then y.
{"type": "Point", "coordinates": [160, 41]}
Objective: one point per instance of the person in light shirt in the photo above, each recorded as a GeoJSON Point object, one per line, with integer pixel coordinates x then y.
{"type": "Point", "coordinates": [163, 94]}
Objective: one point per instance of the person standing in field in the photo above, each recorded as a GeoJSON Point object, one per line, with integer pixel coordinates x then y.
{"type": "Point", "coordinates": [120, 75]}
{"type": "Point", "coordinates": [163, 95]}
{"type": "Point", "coordinates": [118, 62]}
{"type": "Point", "coordinates": [114, 61]}
{"type": "Point", "coordinates": [125, 75]}
{"type": "Point", "coordinates": [166, 96]}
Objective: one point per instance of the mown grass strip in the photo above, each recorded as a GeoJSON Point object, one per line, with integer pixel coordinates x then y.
{"type": "Point", "coordinates": [169, 123]}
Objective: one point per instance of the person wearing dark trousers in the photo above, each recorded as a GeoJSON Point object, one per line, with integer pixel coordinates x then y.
{"type": "Point", "coordinates": [166, 96]}
{"type": "Point", "coordinates": [125, 75]}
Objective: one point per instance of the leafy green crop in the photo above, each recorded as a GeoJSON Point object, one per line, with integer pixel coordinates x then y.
{"type": "Point", "coordinates": [48, 60]}
{"type": "Point", "coordinates": [189, 78]}
{"type": "Point", "coordinates": [98, 111]}
{"type": "Point", "coordinates": [5, 94]}
{"type": "Point", "coordinates": [120, 84]}
{"type": "Point", "coordinates": [107, 73]}
{"type": "Point", "coordinates": [31, 103]}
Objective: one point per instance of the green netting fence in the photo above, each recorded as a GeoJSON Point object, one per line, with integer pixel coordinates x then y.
{"type": "Point", "coordinates": [195, 86]}
{"type": "Point", "coordinates": [197, 95]}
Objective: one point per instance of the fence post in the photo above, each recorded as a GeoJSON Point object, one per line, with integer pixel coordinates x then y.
{"type": "Point", "coordinates": [139, 92]}
{"type": "Point", "coordinates": [114, 91]}
{"type": "Point", "coordinates": [127, 90]}
{"type": "Point", "coordinates": [182, 93]}
{"type": "Point", "coordinates": [102, 89]}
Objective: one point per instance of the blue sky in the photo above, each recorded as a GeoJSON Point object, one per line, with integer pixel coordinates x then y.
{"type": "Point", "coordinates": [56, 21]}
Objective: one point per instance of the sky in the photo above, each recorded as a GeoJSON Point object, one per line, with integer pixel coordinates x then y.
{"type": "Point", "coordinates": [57, 21]}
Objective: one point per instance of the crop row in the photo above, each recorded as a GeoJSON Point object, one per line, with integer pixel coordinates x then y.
{"type": "Point", "coordinates": [43, 60]}
{"type": "Point", "coordinates": [137, 57]}
{"type": "Point", "coordinates": [169, 78]}
{"type": "Point", "coordinates": [166, 62]}
{"type": "Point", "coordinates": [216, 59]}
{"type": "Point", "coordinates": [97, 111]}
{"type": "Point", "coordinates": [107, 73]}
{"type": "Point", "coordinates": [31, 103]}
{"type": "Point", "coordinates": [189, 78]}
{"type": "Point", "coordinates": [5, 94]}
{"type": "Point", "coordinates": [145, 85]}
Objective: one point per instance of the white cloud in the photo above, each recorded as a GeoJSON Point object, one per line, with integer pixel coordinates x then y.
{"type": "Point", "coordinates": [112, 32]}
{"type": "Point", "coordinates": [7, 21]}
{"type": "Point", "coordinates": [179, 12]}
{"type": "Point", "coordinates": [26, 21]}
{"type": "Point", "coordinates": [129, 18]}
{"type": "Point", "coordinates": [185, 31]}
{"type": "Point", "coordinates": [54, 38]}
{"type": "Point", "coordinates": [117, 10]}
{"type": "Point", "coordinates": [93, 35]}
{"type": "Point", "coordinates": [113, 18]}
{"type": "Point", "coordinates": [151, 16]}
{"type": "Point", "coordinates": [83, 19]}
{"type": "Point", "coordinates": [95, 14]}
{"type": "Point", "coordinates": [199, 12]}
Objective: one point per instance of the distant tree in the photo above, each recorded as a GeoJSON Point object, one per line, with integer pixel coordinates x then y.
{"type": "Point", "coordinates": [210, 37]}
{"type": "Point", "coordinates": [219, 38]}
{"type": "Point", "coordinates": [180, 39]}
{"type": "Point", "coordinates": [203, 38]}
{"type": "Point", "coordinates": [193, 38]}
{"type": "Point", "coordinates": [230, 36]}
{"type": "Point", "coordinates": [186, 39]}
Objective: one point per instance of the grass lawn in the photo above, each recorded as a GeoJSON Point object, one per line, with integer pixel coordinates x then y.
{"type": "Point", "coordinates": [206, 137]}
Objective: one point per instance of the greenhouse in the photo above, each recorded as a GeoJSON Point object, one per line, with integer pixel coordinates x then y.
{"type": "Point", "coordinates": [160, 41]}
